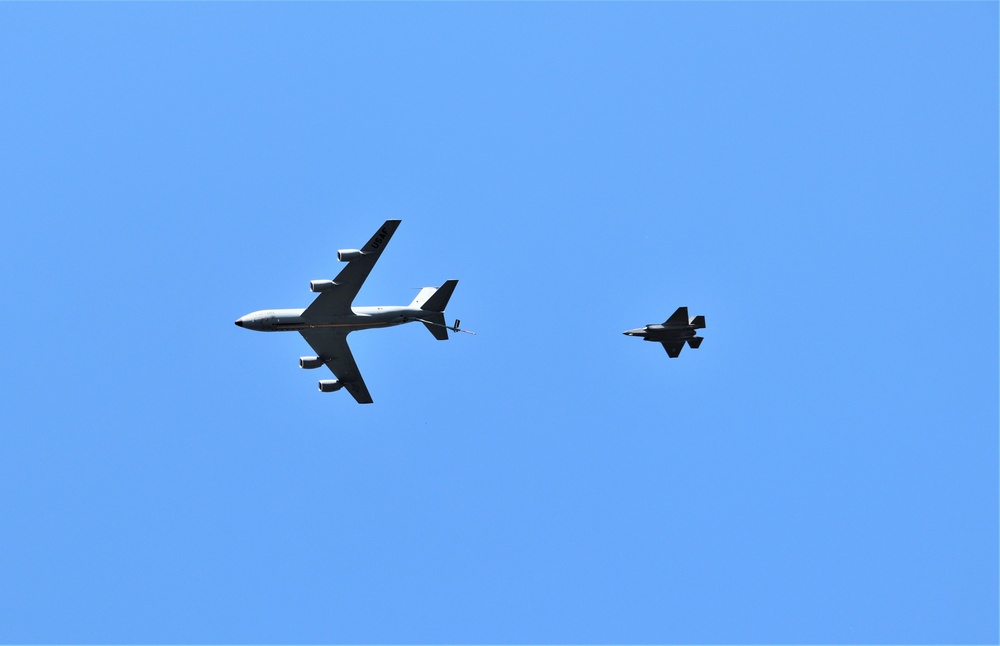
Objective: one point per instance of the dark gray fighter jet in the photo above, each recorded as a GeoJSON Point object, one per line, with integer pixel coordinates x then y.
{"type": "Point", "coordinates": [673, 332]}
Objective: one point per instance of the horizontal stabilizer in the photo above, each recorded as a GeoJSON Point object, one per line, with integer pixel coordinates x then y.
{"type": "Point", "coordinates": [434, 322]}
{"type": "Point", "coordinates": [439, 300]}
{"type": "Point", "coordinates": [680, 317]}
{"type": "Point", "coordinates": [698, 322]}
{"type": "Point", "coordinates": [695, 341]}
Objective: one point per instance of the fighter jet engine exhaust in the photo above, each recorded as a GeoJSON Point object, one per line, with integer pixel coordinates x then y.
{"type": "Point", "coordinates": [329, 385]}
{"type": "Point", "coordinates": [310, 362]}
{"type": "Point", "coordinates": [347, 255]}
{"type": "Point", "coordinates": [321, 285]}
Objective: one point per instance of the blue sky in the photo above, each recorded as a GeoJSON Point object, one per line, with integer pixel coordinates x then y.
{"type": "Point", "coordinates": [820, 180]}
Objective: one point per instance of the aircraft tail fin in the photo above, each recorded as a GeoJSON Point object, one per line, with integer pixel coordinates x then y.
{"type": "Point", "coordinates": [695, 341]}
{"type": "Point", "coordinates": [422, 297]}
{"type": "Point", "coordinates": [434, 322]}
{"type": "Point", "coordinates": [698, 322]}
{"type": "Point", "coordinates": [439, 299]}
{"type": "Point", "coordinates": [680, 317]}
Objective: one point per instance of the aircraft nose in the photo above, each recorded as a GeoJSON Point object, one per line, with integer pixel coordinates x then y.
{"type": "Point", "coordinates": [239, 322]}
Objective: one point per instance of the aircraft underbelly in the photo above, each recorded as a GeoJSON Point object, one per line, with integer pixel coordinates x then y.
{"type": "Point", "coordinates": [673, 336]}
{"type": "Point", "coordinates": [351, 322]}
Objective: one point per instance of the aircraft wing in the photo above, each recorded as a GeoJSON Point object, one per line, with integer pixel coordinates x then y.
{"type": "Point", "coordinates": [673, 348]}
{"type": "Point", "coordinates": [680, 317]}
{"type": "Point", "coordinates": [337, 300]}
{"type": "Point", "coordinates": [331, 346]}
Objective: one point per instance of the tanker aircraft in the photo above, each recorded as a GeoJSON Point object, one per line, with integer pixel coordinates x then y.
{"type": "Point", "coordinates": [326, 323]}
{"type": "Point", "coordinates": [673, 332]}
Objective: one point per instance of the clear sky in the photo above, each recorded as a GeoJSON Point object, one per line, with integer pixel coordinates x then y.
{"type": "Point", "coordinates": [820, 180]}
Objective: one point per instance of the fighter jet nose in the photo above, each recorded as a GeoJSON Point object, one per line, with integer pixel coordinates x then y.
{"type": "Point", "coordinates": [239, 322]}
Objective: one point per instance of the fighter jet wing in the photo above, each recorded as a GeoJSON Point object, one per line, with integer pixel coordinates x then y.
{"type": "Point", "coordinates": [331, 346]}
{"type": "Point", "coordinates": [680, 317]}
{"type": "Point", "coordinates": [337, 300]}
{"type": "Point", "coordinates": [673, 348]}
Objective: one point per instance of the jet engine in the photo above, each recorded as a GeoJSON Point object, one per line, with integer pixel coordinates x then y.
{"type": "Point", "coordinates": [329, 385]}
{"type": "Point", "coordinates": [347, 255]}
{"type": "Point", "coordinates": [310, 362]}
{"type": "Point", "coordinates": [321, 285]}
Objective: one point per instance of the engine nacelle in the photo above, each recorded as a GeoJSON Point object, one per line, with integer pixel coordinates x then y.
{"type": "Point", "coordinates": [321, 285]}
{"type": "Point", "coordinates": [310, 362]}
{"type": "Point", "coordinates": [347, 255]}
{"type": "Point", "coordinates": [329, 385]}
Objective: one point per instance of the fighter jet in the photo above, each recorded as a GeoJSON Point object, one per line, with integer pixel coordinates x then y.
{"type": "Point", "coordinates": [673, 332]}
{"type": "Point", "coordinates": [326, 323]}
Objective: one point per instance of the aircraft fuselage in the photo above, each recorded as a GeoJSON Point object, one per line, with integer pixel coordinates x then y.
{"type": "Point", "coordinates": [361, 318]}
{"type": "Point", "coordinates": [661, 333]}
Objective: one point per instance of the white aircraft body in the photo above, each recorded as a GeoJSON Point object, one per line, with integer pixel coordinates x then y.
{"type": "Point", "coordinates": [326, 323]}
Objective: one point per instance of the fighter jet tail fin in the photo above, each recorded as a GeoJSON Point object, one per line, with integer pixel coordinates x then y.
{"type": "Point", "coordinates": [695, 341]}
{"type": "Point", "coordinates": [680, 317]}
{"type": "Point", "coordinates": [697, 323]}
{"type": "Point", "coordinates": [439, 299]}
